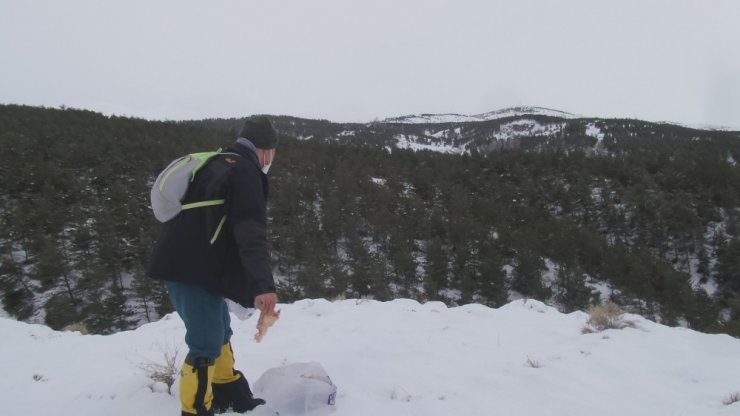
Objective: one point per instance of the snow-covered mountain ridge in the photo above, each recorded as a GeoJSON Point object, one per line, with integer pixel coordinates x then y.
{"type": "Point", "coordinates": [509, 128]}
{"type": "Point", "coordinates": [492, 115]}
{"type": "Point", "coordinates": [514, 127]}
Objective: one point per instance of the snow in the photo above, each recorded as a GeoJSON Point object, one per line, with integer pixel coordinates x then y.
{"type": "Point", "coordinates": [594, 131]}
{"type": "Point", "coordinates": [378, 181]}
{"type": "Point", "coordinates": [397, 358]}
{"type": "Point", "coordinates": [440, 134]}
{"type": "Point", "coordinates": [550, 275]}
{"type": "Point", "coordinates": [712, 231]}
{"type": "Point", "coordinates": [605, 289]}
{"type": "Point", "coordinates": [731, 160]}
{"type": "Point", "coordinates": [525, 128]}
{"type": "Point", "coordinates": [411, 142]}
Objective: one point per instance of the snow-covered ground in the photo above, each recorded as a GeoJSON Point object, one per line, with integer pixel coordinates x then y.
{"type": "Point", "coordinates": [594, 131]}
{"type": "Point", "coordinates": [526, 127]}
{"type": "Point", "coordinates": [397, 358]}
{"type": "Point", "coordinates": [414, 142]}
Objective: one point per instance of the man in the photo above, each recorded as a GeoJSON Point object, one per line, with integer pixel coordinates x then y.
{"type": "Point", "coordinates": [211, 253]}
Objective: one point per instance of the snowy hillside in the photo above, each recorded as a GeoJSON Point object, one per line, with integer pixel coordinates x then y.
{"type": "Point", "coordinates": [461, 134]}
{"type": "Point", "coordinates": [492, 115]}
{"type": "Point", "coordinates": [516, 122]}
{"type": "Point", "coordinates": [397, 358]}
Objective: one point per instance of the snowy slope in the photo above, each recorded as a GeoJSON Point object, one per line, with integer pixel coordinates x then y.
{"type": "Point", "coordinates": [441, 139]}
{"type": "Point", "coordinates": [398, 358]}
{"type": "Point", "coordinates": [527, 128]}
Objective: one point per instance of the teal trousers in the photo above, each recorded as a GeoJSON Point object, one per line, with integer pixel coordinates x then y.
{"type": "Point", "coordinates": [206, 318]}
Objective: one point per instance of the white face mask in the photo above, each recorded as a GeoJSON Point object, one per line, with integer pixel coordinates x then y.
{"type": "Point", "coordinates": [265, 157]}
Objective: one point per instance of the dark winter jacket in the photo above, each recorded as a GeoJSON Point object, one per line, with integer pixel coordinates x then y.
{"type": "Point", "coordinates": [232, 259]}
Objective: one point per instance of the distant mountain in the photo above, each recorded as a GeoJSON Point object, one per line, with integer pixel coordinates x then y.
{"type": "Point", "coordinates": [528, 128]}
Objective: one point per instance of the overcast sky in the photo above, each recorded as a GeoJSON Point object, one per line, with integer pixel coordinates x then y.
{"type": "Point", "coordinates": [357, 60]}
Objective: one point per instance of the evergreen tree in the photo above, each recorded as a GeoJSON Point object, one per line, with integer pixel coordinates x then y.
{"type": "Point", "coordinates": [403, 264]}
{"type": "Point", "coordinates": [527, 277]}
{"type": "Point", "coordinates": [492, 283]}
{"type": "Point", "coordinates": [728, 266]}
{"type": "Point", "coordinates": [437, 269]}
{"type": "Point", "coordinates": [572, 292]}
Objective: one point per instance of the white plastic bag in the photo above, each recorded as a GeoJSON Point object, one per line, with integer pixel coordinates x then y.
{"type": "Point", "coordinates": [240, 311]}
{"type": "Point", "coordinates": [298, 389]}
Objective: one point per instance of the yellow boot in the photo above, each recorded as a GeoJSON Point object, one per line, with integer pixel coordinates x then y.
{"type": "Point", "coordinates": [230, 388]}
{"type": "Point", "coordinates": [224, 367]}
{"type": "Point", "coordinates": [196, 395]}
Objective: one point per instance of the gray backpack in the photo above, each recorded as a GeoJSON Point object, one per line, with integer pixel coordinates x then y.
{"type": "Point", "coordinates": [172, 183]}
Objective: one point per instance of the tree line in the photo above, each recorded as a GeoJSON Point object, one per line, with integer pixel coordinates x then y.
{"type": "Point", "coordinates": [648, 225]}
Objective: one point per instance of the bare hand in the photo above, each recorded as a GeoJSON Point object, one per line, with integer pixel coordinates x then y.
{"type": "Point", "coordinates": [266, 302]}
{"type": "Point", "coordinates": [268, 316]}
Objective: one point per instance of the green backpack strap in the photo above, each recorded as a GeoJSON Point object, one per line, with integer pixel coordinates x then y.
{"type": "Point", "coordinates": [203, 158]}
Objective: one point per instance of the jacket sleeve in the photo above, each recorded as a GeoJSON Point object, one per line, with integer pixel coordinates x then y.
{"type": "Point", "coordinates": [247, 216]}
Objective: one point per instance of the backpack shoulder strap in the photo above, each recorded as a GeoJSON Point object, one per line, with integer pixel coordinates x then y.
{"type": "Point", "coordinates": [203, 158]}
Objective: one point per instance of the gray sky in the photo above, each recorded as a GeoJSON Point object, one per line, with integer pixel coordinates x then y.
{"type": "Point", "coordinates": [351, 60]}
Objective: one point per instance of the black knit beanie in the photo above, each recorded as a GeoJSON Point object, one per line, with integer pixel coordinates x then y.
{"type": "Point", "coordinates": [260, 132]}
